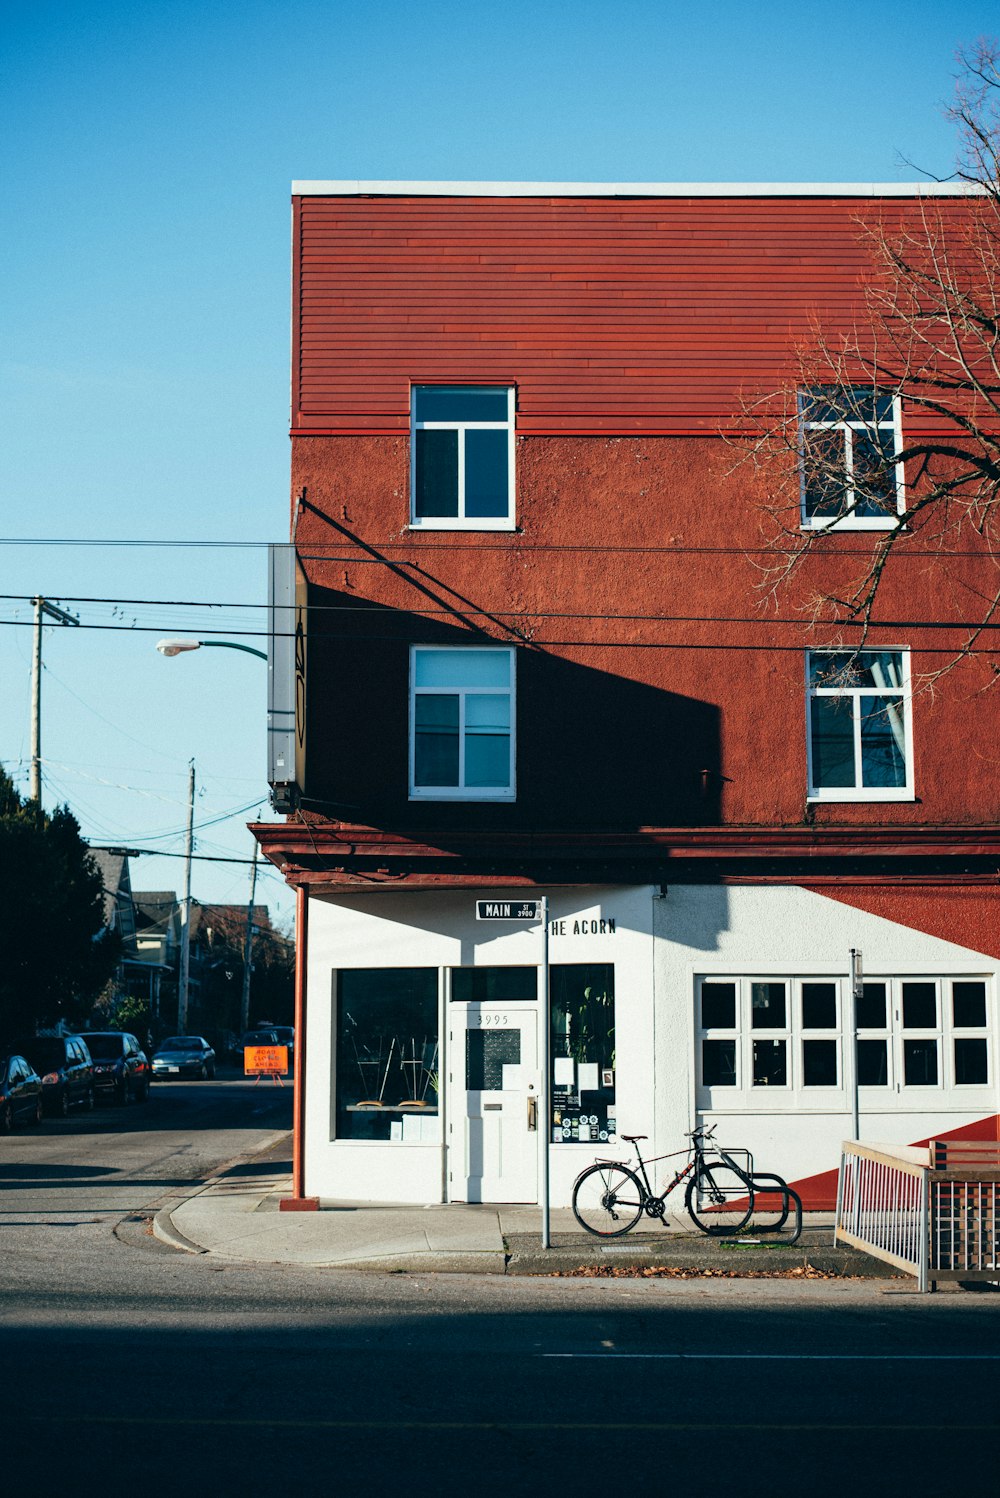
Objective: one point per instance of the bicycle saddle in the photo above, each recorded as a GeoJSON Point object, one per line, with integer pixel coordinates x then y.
{"type": "Point", "coordinates": [631, 1138]}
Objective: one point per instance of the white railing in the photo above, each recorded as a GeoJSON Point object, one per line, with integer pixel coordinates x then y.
{"type": "Point", "coordinates": [934, 1212]}
{"type": "Point", "coordinates": [882, 1204]}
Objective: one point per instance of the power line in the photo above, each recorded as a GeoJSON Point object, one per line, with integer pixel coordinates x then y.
{"type": "Point", "coordinates": [602, 644]}
{"type": "Point", "coordinates": [522, 544]}
{"type": "Point", "coordinates": [349, 610]}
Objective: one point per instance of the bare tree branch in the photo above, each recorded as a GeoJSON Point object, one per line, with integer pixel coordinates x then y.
{"type": "Point", "coordinates": [891, 427]}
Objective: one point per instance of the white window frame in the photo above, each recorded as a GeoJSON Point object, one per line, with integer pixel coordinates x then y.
{"type": "Point", "coordinates": [461, 521]}
{"type": "Point", "coordinates": [849, 521]}
{"type": "Point", "coordinates": [794, 1095]}
{"type": "Point", "coordinates": [857, 792]}
{"type": "Point", "coordinates": [462, 792]}
{"type": "Point", "coordinates": [896, 1095]}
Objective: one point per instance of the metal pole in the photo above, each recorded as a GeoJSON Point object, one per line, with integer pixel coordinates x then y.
{"type": "Point", "coordinates": [544, 1099]}
{"type": "Point", "coordinates": [35, 784]}
{"type": "Point", "coordinates": [856, 984]}
{"type": "Point", "coordinates": [182, 983]}
{"type": "Point", "coordinates": [248, 949]}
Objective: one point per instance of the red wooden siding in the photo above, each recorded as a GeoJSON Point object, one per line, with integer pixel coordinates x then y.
{"type": "Point", "coordinates": [610, 315]}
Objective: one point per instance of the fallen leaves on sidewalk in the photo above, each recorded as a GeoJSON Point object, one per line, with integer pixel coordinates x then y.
{"type": "Point", "coordinates": [665, 1271]}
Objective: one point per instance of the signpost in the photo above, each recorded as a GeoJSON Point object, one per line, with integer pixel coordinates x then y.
{"type": "Point", "coordinates": [536, 912]}
{"type": "Point", "coordinates": [857, 992]}
{"type": "Point", "coordinates": [510, 910]}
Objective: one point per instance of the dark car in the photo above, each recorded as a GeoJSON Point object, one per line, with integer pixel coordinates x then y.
{"type": "Point", "coordinates": [20, 1092]}
{"type": "Point", "coordinates": [66, 1069]}
{"type": "Point", "coordinates": [184, 1056]}
{"type": "Point", "coordinates": [121, 1067]}
{"type": "Point", "coordinates": [260, 1037]}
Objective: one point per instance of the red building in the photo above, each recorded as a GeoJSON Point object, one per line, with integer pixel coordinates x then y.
{"type": "Point", "coordinates": [534, 660]}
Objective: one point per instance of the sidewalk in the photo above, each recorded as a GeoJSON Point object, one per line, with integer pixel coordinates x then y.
{"type": "Point", "coordinates": [235, 1215]}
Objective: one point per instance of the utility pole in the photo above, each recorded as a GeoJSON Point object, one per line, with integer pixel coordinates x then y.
{"type": "Point", "coordinates": [42, 609]}
{"type": "Point", "coordinates": [182, 984]}
{"type": "Point", "coordinates": [248, 950]}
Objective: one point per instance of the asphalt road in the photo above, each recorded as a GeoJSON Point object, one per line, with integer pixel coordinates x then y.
{"type": "Point", "coordinates": [133, 1367]}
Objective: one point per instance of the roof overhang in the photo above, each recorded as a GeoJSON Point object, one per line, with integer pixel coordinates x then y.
{"type": "Point", "coordinates": [336, 857]}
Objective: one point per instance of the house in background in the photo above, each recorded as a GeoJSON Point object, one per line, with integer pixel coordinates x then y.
{"type": "Point", "coordinates": [529, 661]}
{"type": "Point", "coordinates": [133, 974]}
{"type": "Point", "coordinates": [157, 942]}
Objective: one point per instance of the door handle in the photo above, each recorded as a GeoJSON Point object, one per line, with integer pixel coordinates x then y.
{"type": "Point", "coordinates": [532, 1115]}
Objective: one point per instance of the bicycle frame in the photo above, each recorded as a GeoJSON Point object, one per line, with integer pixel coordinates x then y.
{"type": "Point", "coordinates": [700, 1157]}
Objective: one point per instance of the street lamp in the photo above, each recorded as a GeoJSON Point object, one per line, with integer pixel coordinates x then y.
{"type": "Point", "coordinates": [170, 647]}
{"type": "Point", "coordinates": [176, 647]}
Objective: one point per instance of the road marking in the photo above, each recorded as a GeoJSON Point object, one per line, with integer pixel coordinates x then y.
{"type": "Point", "coordinates": [789, 1357]}
{"type": "Point", "coordinates": [258, 1423]}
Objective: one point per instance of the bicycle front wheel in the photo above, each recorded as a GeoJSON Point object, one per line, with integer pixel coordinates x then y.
{"type": "Point", "coordinates": [719, 1200]}
{"type": "Point", "coordinates": [607, 1200]}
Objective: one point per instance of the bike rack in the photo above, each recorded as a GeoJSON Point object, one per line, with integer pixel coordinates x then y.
{"type": "Point", "coordinates": [772, 1185]}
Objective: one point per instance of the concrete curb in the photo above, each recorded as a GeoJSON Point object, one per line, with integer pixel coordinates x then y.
{"type": "Point", "coordinates": [164, 1230]}
{"type": "Point", "coordinates": [163, 1224]}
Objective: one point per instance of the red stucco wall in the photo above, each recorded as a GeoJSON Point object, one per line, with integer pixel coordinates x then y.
{"type": "Point", "coordinates": [632, 587]}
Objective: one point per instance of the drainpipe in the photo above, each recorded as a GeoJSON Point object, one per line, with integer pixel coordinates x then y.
{"type": "Point", "coordinates": [298, 1201]}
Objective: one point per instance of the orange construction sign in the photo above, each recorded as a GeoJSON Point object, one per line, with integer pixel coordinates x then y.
{"type": "Point", "coordinates": [265, 1060]}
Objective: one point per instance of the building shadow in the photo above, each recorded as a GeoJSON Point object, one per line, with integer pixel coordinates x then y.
{"type": "Point", "coordinates": [596, 751]}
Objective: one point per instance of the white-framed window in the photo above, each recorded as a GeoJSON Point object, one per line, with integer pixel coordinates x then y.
{"type": "Point", "coordinates": [462, 723]}
{"type": "Point", "coordinates": [860, 730]}
{"type": "Point", "coordinates": [849, 441]}
{"type": "Point", "coordinates": [462, 457]}
{"type": "Point", "coordinates": [775, 1043]}
{"type": "Point", "coordinates": [921, 1033]}
{"type": "Point", "coordinates": [769, 1039]}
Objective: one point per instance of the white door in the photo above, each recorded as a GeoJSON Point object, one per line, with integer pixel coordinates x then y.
{"type": "Point", "coordinates": [493, 1117]}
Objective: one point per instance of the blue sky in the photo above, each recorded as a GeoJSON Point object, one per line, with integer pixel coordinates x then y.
{"type": "Point", "coordinates": [148, 153]}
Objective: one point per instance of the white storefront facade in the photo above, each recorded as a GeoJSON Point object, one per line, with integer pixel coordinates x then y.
{"type": "Point", "coordinates": [722, 1004]}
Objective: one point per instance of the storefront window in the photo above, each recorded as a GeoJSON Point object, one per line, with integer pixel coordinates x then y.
{"type": "Point", "coordinates": [494, 985]}
{"type": "Point", "coordinates": [387, 1053]}
{"type": "Point", "coordinates": [583, 1052]}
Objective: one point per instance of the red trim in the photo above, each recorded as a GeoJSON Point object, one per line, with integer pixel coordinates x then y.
{"type": "Point", "coordinates": [299, 1080]}
{"type": "Point", "coordinates": [340, 856]}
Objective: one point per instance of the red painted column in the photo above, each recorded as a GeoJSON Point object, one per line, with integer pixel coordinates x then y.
{"type": "Point", "coordinates": [298, 1201]}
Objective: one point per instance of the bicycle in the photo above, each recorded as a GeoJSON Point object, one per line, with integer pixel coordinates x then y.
{"type": "Point", "coordinates": [609, 1198]}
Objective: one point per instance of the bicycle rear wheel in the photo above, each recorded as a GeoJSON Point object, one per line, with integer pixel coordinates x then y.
{"type": "Point", "coordinates": [719, 1200]}
{"type": "Point", "coordinates": [607, 1200]}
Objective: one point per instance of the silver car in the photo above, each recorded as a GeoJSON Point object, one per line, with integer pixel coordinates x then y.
{"type": "Point", "coordinates": [184, 1056]}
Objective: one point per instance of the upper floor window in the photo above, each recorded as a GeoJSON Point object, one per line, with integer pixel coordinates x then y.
{"type": "Point", "coordinates": [849, 440]}
{"type": "Point", "coordinates": [461, 723]}
{"type": "Point", "coordinates": [462, 457]}
{"type": "Point", "coordinates": [859, 725]}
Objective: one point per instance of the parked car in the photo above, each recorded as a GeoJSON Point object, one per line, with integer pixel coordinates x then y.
{"type": "Point", "coordinates": [121, 1066]}
{"type": "Point", "coordinates": [184, 1056]}
{"type": "Point", "coordinates": [66, 1068]}
{"type": "Point", "coordinates": [259, 1037]}
{"type": "Point", "coordinates": [20, 1092]}
{"type": "Point", "coordinates": [286, 1037]}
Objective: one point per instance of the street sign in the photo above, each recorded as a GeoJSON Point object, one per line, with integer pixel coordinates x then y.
{"type": "Point", "coordinates": [509, 910]}
{"type": "Point", "coordinates": [265, 1060]}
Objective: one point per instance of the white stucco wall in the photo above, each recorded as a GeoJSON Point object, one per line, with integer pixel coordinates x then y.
{"type": "Point", "coordinates": [781, 931]}
{"type": "Point", "coordinates": [659, 947]}
{"type": "Point", "coordinates": [432, 929]}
